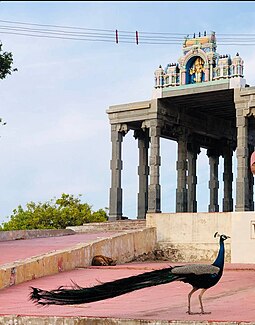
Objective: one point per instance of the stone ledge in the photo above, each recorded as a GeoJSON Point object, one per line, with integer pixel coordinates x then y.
{"type": "Point", "coordinates": [119, 225]}
{"type": "Point", "coordinates": [35, 233]}
{"type": "Point", "coordinates": [79, 320]}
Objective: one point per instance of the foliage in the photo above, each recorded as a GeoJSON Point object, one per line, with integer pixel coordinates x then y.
{"type": "Point", "coordinates": [54, 214]}
{"type": "Point", "coordinates": [6, 62]}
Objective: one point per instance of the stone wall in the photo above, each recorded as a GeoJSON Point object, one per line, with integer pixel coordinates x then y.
{"type": "Point", "coordinates": [189, 237]}
{"type": "Point", "coordinates": [110, 226]}
{"type": "Point", "coordinates": [35, 233]}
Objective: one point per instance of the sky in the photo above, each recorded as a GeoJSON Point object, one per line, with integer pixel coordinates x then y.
{"type": "Point", "coordinates": [57, 136]}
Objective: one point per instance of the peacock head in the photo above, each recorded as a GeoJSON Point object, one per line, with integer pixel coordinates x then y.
{"type": "Point", "coordinates": [222, 237]}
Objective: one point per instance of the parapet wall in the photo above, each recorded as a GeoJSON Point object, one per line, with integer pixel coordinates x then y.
{"type": "Point", "coordinates": [189, 237]}
{"type": "Point", "coordinates": [34, 233]}
{"type": "Point", "coordinates": [110, 226]}
{"type": "Point", "coordinates": [120, 225]}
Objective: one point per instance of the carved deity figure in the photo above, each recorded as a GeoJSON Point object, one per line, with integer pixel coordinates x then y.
{"type": "Point", "coordinates": [197, 69]}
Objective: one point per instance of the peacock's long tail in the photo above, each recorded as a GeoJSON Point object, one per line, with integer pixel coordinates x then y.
{"type": "Point", "coordinates": [80, 295]}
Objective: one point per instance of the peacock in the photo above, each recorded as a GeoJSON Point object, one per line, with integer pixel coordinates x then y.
{"type": "Point", "coordinates": [199, 276]}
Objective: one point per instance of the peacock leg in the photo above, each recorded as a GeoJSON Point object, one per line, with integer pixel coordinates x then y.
{"type": "Point", "coordinates": [189, 299]}
{"type": "Point", "coordinates": [201, 304]}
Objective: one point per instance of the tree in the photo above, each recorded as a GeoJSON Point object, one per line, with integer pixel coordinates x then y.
{"type": "Point", "coordinates": [54, 214]}
{"type": "Point", "coordinates": [6, 62]}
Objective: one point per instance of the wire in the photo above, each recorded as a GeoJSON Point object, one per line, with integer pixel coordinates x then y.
{"type": "Point", "coordinates": [91, 34]}
{"type": "Point", "coordinates": [115, 36]}
{"type": "Point", "coordinates": [73, 27]}
{"type": "Point", "coordinates": [59, 37]}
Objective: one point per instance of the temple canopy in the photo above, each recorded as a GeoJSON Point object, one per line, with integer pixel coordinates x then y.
{"type": "Point", "coordinates": [201, 101]}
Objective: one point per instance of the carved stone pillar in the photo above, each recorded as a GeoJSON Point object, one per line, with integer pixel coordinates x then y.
{"type": "Point", "coordinates": [193, 151]}
{"type": "Point", "coordinates": [227, 154]}
{"type": "Point", "coordinates": [115, 205]}
{"type": "Point", "coordinates": [251, 182]}
{"type": "Point", "coordinates": [242, 153]}
{"type": "Point", "coordinates": [213, 182]}
{"type": "Point", "coordinates": [242, 181]}
{"type": "Point", "coordinates": [143, 171]}
{"type": "Point", "coordinates": [154, 194]}
{"type": "Point", "coordinates": [181, 166]}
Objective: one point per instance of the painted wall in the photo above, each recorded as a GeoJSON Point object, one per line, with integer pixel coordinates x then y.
{"type": "Point", "coordinates": [243, 237]}
{"type": "Point", "coordinates": [189, 237]}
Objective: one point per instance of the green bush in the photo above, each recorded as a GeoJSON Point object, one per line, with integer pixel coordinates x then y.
{"type": "Point", "coordinates": [54, 214]}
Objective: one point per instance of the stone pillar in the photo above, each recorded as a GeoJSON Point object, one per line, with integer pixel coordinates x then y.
{"type": "Point", "coordinates": [181, 167]}
{"type": "Point", "coordinates": [242, 155]}
{"type": "Point", "coordinates": [193, 151]}
{"type": "Point", "coordinates": [154, 193]}
{"type": "Point", "coordinates": [213, 182]}
{"type": "Point", "coordinates": [115, 204]}
{"type": "Point", "coordinates": [251, 181]}
{"type": "Point", "coordinates": [143, 171]}
{"type": "Point", "coordinates": [227, 204]}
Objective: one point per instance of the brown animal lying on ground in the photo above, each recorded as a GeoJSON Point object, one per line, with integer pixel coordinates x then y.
{"type": "Point", "coordinates": [102, 260]}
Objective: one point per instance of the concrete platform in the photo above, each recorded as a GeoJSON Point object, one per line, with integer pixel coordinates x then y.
{"type": "Point", "coordinates": [231, 301]}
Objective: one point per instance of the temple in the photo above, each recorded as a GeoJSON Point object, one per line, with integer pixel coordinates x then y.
{"type": "Point", "coordinates": [201, 101]}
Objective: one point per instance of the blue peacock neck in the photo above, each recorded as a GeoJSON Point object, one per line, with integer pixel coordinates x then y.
{"type": "Point", "coordinates": [220, 258]}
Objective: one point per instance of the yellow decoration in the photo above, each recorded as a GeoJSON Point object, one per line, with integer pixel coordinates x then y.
{"type": "Point", "coordinates": [197, 69]}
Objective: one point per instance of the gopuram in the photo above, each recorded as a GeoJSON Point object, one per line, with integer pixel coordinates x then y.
{"type": "Point", "coordinates": [202, 101]}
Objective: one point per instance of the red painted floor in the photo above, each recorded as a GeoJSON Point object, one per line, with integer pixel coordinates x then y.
{"type": "Point", "coordinates": [232, 299]}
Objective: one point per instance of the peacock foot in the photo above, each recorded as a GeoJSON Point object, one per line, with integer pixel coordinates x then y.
{"type": "Point", "coordinates": [192, 313]}
{"type": "Point", "coordinates": [198, 313]}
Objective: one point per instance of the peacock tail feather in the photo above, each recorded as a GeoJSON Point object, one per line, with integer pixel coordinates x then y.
{"type": "Point", "coordinates": [79, 295]}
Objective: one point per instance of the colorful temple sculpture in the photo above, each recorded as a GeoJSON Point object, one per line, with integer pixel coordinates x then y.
{"type": "Point", "coordinates": [200, 63]}
{"type": "Point", "coordinates": [201, 101]}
